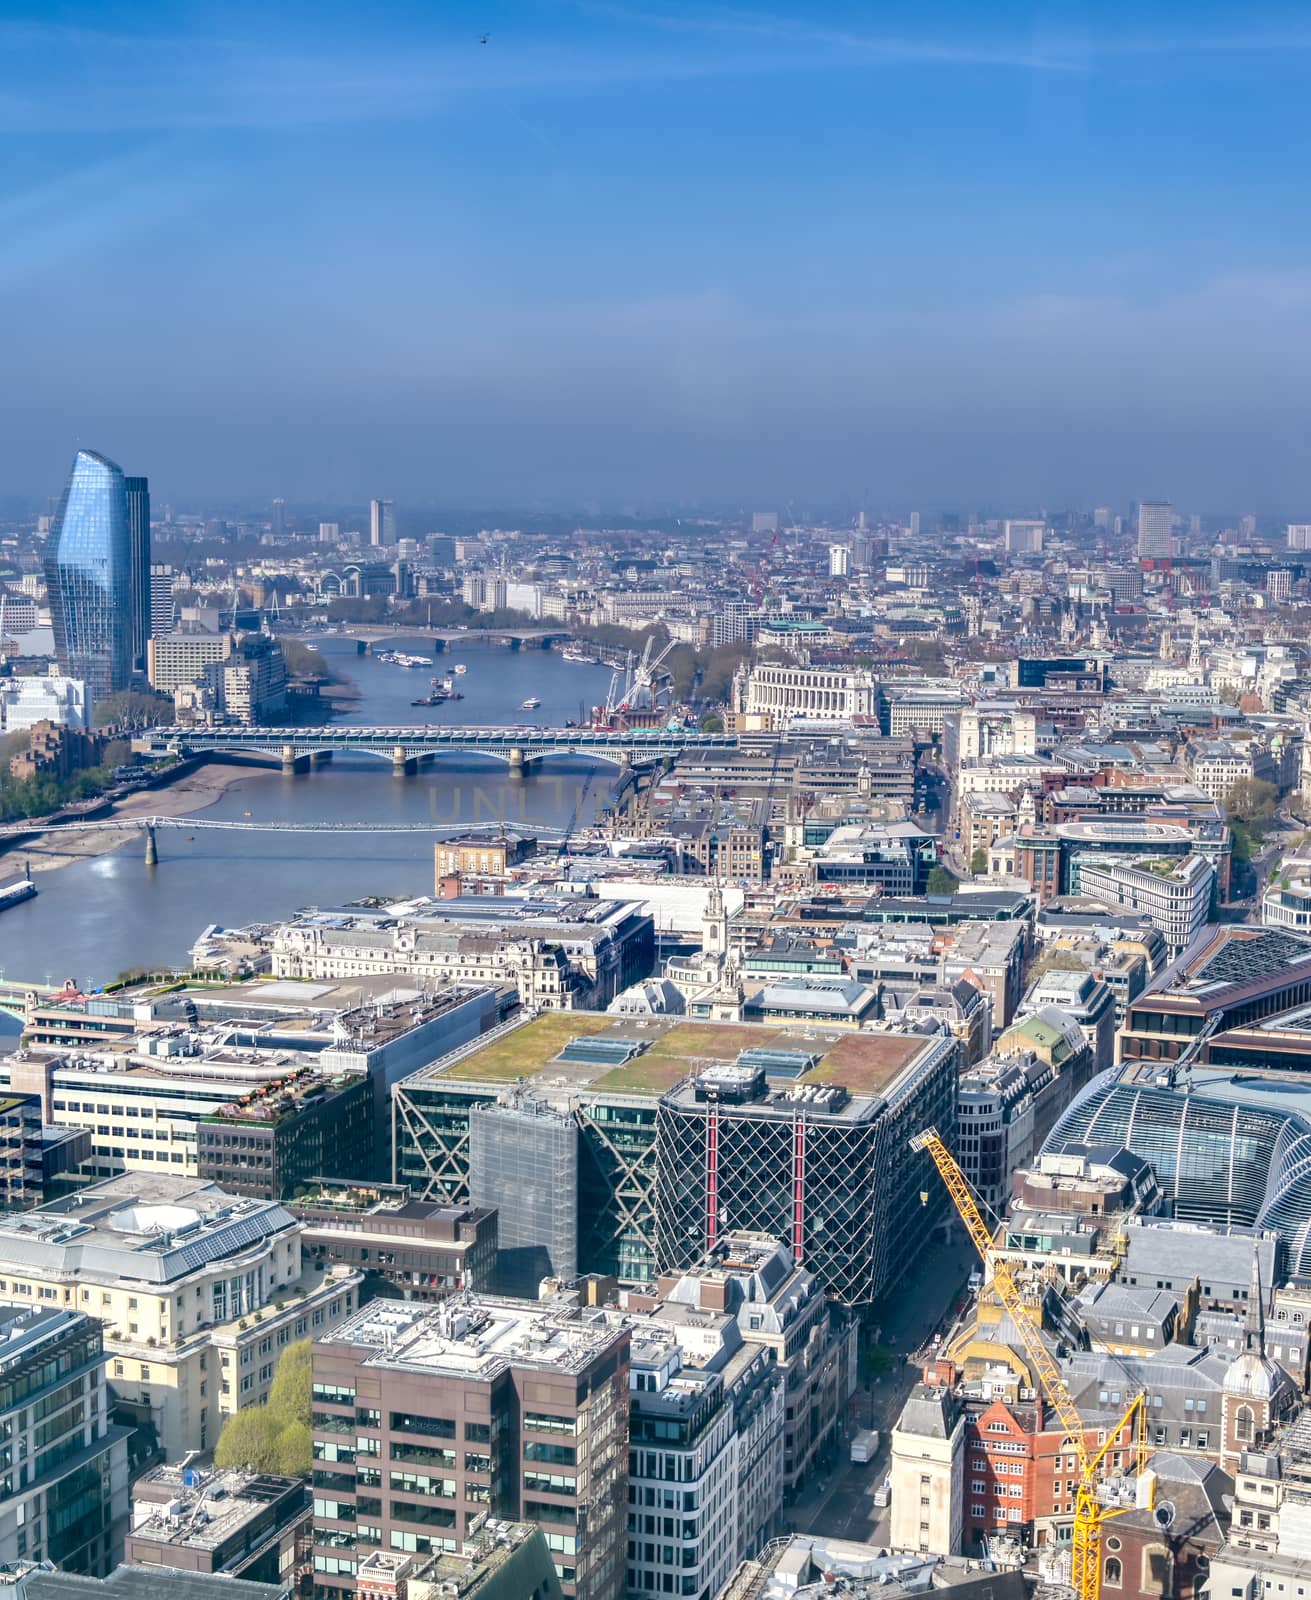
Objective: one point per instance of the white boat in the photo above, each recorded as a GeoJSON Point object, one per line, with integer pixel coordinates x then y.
{"type": "Point", "coordinates": [530, 704]}
{"type": "Point", "coordinates": [15, 893]}
{"type": "Point", "coordinates": [459, 670]}
{"type": "Point", "coordinates": [579, 656]}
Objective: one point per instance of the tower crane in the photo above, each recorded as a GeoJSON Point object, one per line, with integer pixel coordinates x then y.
{"type": "Point", "coordinates": [1090, 1509]}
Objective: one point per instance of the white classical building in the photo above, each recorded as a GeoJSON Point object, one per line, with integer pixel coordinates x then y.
{"type": "Point", "coordinates": [833, 694]}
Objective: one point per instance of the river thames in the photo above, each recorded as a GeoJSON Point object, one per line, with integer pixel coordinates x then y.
{"type": "Point", "coordinates": [97, 917]}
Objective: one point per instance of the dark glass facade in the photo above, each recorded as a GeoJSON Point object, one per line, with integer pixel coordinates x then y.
{"type": "Point", "coordinates": [89, 577]}
{"type": "Point", "coordinates": [138, 529]}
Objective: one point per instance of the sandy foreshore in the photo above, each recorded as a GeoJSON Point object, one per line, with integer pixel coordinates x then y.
{"type": "Point", "coordinates": [193, 792]}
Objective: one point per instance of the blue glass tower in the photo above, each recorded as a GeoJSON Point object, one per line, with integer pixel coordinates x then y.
{"type": "Point", "coordinates": [89, 575]}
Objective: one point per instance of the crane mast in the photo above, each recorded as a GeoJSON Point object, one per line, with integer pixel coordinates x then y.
{"type": "Point", "coordinates": [1089, 1510]}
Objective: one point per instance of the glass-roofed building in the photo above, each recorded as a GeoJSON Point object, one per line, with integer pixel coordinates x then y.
{"type": "Point", "coordinates": [1229, 1149]}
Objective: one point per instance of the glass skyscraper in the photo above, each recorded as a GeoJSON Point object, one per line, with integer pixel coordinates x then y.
{"type": "Point", "coordinates": [138, 530]}
{"type": "Point", "coordinates": [89, 577]}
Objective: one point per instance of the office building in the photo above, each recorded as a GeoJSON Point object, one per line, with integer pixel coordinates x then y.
{"type": "Point", "coordinates": [428, 1419]}
{"type": "Point", "coordinates": [138, 527]}
{"type": "Point", "coordinates": [500, 1561]}
{"type": "Point", "coordinates": [1175, 894]}
{"type": "Point", "coordinates": [1155, 528]}
{"type": "Point", "coordinates": [28, 1580]}
{"type": "Point", "coordinates": [928, 1472]}
{"type": "Point", "coordinates": [811, 1343]}
{"type": "Point", "coordinates": [407, 1248]}
{"type": "Point", "coordinates": [89, 577]}
{"type": "Point", "coordinates": [174, 659]}
{"type": "Point", "coordinates": [523, 1163]}
{"type": "Point", "coordinates": [278, 522]}
{"type": "Point", "coordinates": [276, 1136]}
{"type": "Point", "coordinates": [825, 1166]}
{"type": "Point", "coordinates": [828, 694]}
{"type": "Point", "coordinates": [382, 522]}
{"type": "Point", "coordinates": [64, 1491]}
{"type": "Point", "coordinates": [563, 954]}
{"type": "Point", "coordinates": [198, 1294]}
{"type": "Point", "coordinates": [620, 1083]}
{"type": "Point", "coordinates": [205, 1519]}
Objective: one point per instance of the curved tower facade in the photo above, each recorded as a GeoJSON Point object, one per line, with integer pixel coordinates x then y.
{"type": "Point", "coordinates": [88, 575]}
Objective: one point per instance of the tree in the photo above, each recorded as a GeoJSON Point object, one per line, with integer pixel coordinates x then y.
{"type": "Point", "coordinates": [275, 1436]}
{"type": "Point", "coordinates": [1251, 800]}
{"type": "Point", "coordinates": [942, 882]}
{"type": "Point", "coordinates": [249, 1439]}
{"type": "Point", "coordinates": [293, 1450]}
{"type": "Point", "coordinates": [979, 862]}
{"type": "Point", "coordinates": [712, 722]}
{"type": "Point", "coordinates": [289, 1395]}
{"type": "Point", "coordinates": [132, 708]}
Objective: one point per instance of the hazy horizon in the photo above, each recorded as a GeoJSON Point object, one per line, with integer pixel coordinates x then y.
{"type": "Point", "coordinates": [649, 255]}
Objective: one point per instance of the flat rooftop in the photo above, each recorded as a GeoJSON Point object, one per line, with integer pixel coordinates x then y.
{"type": "Point", "coordinates": [671, 1050]}
{"type": "Point", "coordinates": [476, 1337]}
{"type": "Point", "coordinates": [202, 1508]}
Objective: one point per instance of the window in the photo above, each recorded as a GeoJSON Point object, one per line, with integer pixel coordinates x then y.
{"type": "Point", "coordinates": [1112, 1572]}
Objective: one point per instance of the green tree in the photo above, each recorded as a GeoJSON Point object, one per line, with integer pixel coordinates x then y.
{"type": "Point", "coordinates": [1251, 800]}
{"type": "Point", "coordinates": [289, 1394]}
{"type": "Point", "coordinates": [942, 882]}
{"type": "Point", "coordinates": [274, 1437]}
{"type": "Point", "coordinates": [249, 1439]}
{"type": "Point", "coordinates": [293, 1450]}
{"type": "Point", "coordinates": [712, 722]}
{"type": "Point", "coordinates": [979, 862]}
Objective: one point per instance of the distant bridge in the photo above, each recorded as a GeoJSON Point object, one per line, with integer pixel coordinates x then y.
{"type": "Point", "coordinates": [298, 748]}
{"type": "Point", "coordinates": [439, 638]}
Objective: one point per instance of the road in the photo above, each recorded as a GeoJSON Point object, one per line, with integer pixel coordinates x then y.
{"type": "Point", "coordinates": [842, 1504]}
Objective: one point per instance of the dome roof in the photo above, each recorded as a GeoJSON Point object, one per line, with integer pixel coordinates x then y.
{"type": "Point", "coordinates": [1255, 1378]}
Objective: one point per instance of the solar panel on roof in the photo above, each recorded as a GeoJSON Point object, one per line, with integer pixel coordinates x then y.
{"type": "Point", "coordinates": [602, 1052]}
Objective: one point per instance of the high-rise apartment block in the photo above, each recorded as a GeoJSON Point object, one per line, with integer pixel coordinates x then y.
{"type": "Point", "coordinates": [839, 560]}
{"type": "Point", "coordinates": [1023, 537]}
{"type": "Point", "coordinates": [382, 522]}
{"type": "Point", "coordinates": [278, 524]}
{"type": "Point", "coordinates": [1155, 528]}
{"type": "Point", "coordinates": [329, 532]}
{"type": "Point", "coordinates": [428, 1419]}
{"type": "Point", "coordinates": [1299, 535]}
{"type": "Point", "coordinates": [163, 612]}
{"type": "Point", "coordinates": [138, 526]}
{"type": "Point", "coordinates": [89, 577]}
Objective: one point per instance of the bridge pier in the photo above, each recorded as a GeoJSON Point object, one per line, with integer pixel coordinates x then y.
{"type": "Point", "coordinates": [402, 765]}
{"type": "Point", "coordinates": [291, 762]}
{"type": "Point", "coordinates": [152, 849]}
{"type": "Point", "coordinates": [519, 762]}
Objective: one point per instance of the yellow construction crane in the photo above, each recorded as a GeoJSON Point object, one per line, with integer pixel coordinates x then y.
{"type": "Point", "coordinates": [1089, 1510]}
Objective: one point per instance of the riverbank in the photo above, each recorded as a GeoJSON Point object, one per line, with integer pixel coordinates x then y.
{"type": "Point", "coordinates": [193, 791]}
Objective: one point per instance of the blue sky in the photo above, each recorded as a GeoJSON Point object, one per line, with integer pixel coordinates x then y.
{"type": "Point", "coordinates": [1009, 255]}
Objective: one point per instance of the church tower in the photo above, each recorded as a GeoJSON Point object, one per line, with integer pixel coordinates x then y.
{"type": "Point", "coordinates": [1258, 1393]}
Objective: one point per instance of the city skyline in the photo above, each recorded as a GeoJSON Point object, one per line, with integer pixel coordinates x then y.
{"type": "Point", "coordinates": [663, 254]}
